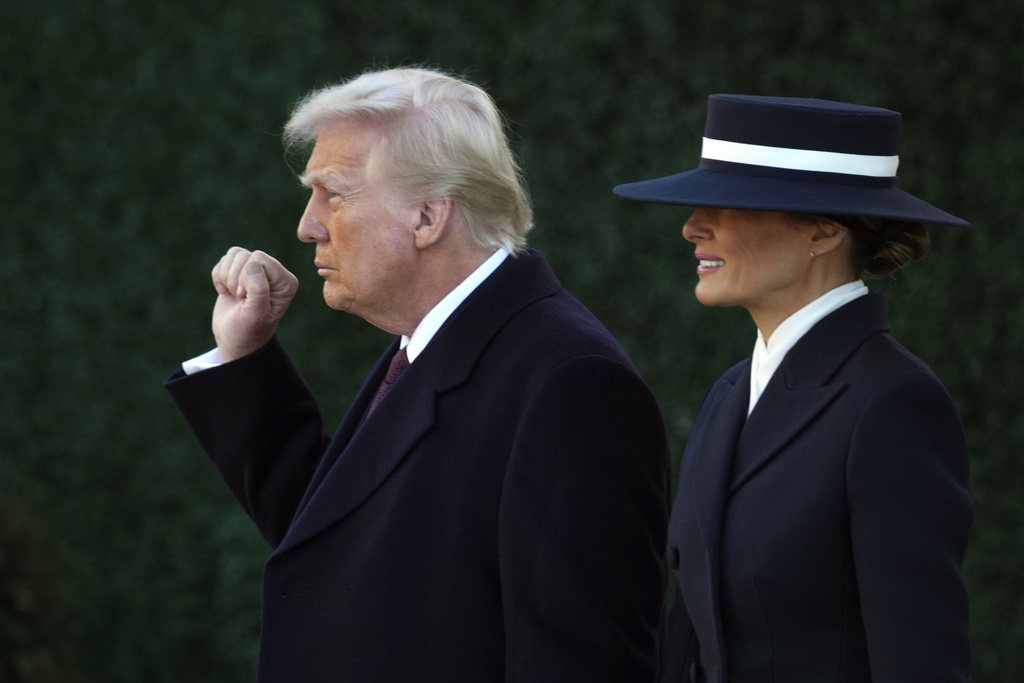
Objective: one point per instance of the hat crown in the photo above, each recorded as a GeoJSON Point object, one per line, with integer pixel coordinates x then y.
{"type": "Point", "coordinates": [798, 155]}
{"type": "Point", "coordinates": [803, 123]}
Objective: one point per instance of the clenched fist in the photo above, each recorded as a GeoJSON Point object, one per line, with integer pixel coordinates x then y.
{"type": "Point", "coordinates": [254, 292]}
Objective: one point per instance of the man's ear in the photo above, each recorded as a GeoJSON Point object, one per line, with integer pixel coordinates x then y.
{"type": "Point", "coordinates": [435, 216]}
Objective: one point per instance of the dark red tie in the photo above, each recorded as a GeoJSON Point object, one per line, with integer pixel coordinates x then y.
{"type": "Point", "coordinates": [398, 365]}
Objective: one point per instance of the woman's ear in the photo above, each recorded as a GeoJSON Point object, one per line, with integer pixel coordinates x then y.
{"type": "Point", "coordinates": [435, 215]}
{"type": "Point", "coordinates": [826, 235]}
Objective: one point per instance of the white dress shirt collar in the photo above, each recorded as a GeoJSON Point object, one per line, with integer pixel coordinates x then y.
{"type": "Point", "coordinates": [437, 316]}
{"type": "Point", "coordinates": [767, 357]}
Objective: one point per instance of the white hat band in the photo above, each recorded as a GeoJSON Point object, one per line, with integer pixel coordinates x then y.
{"type": "Point", "coordinates": [801, 159]}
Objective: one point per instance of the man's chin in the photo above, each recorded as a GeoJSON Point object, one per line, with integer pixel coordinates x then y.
{"type": "Point", "coordinates": [336, 300]}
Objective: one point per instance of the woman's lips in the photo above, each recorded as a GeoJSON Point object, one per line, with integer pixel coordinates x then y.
{"type": "Point", "coordinates": [708, 263]}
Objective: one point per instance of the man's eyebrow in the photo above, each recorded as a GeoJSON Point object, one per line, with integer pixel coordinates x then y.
{"type": "Point", "coordinates": [309, 179]}
{"type": "Point", "coordinates": [320, 179]}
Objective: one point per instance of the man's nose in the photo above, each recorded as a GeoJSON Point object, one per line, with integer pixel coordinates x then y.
{"type": "Point", "coordinates": [310, 228]}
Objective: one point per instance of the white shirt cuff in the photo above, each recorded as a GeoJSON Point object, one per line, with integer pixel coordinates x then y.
{"type": "Point", "coordinates": [210, 359]}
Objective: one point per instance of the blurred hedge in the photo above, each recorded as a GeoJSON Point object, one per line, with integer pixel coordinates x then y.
{"type": "Point", "coordinates": [142, 141]}
{"type": "Point", "coordinates": [28, 599]}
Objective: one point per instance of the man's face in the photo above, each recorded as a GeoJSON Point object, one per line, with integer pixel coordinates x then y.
{"type": "Point", "coordinates": [364, 235]}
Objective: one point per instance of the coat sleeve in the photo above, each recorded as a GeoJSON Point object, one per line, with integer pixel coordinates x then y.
{"type": "Point", "coordinates": [910, 512]}
{"type": "Point", "coordinates": [261, 426]}
{"type": "Point", "coordinates": [583, 518]}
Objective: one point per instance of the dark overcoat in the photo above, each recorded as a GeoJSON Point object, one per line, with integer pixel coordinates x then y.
{"type": "Point", "coordinates": [821, 538]}
{"type": "Point", "coordinates": [501, 516]}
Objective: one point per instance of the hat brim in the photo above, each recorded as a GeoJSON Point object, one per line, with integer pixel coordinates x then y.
{"type": "Point", "coordinates": [703, 187]}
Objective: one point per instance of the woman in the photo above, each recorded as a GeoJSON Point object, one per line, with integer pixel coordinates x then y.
{"type": "Point", "coordinates": [823, 505]}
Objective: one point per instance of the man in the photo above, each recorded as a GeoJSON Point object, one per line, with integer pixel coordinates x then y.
{"type": "Point", "coordinates": [493, 506]}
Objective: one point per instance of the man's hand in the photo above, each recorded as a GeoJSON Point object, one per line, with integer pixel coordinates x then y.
{"type": "Point", "coordinates": [254, 292]}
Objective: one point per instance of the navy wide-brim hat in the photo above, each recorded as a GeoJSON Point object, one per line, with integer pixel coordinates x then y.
{"type": "Point", "coordinates": [796, 155]}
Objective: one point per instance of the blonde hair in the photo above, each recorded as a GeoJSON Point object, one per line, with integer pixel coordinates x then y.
{"type": "Point", "coordinates": [441, 137]}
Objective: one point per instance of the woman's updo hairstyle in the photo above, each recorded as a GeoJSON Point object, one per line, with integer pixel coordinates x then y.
{"type": "Point", "coordinates": [882, 246]}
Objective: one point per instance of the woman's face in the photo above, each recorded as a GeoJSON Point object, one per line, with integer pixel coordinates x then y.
{"type": "Point", "coordinates": [760, 260]}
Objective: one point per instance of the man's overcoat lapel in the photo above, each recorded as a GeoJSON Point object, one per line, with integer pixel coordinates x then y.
{"type": "Point", "coordinates": [364, 452]}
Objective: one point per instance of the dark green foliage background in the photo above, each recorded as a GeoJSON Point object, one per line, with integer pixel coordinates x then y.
{"type": "Point", "coordinates": [140, 140]}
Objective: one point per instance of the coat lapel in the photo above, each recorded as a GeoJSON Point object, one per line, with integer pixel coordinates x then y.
{"type": "Point", "coordinates": [802, 388]}
{"type": "Point", "coordinates": [363, 453]}
{"type": "Point", "coordinates": [713, 455]}
{"type": "Point", "coordinates": [377, 446]}
{"type": "Point", "coordinates": [771, 428]}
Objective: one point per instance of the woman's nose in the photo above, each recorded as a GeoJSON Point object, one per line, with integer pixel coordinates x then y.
{"type": "Point", "coordinates": [696, 227]}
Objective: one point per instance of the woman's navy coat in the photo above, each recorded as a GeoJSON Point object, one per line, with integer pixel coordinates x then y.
{"type": "Point", "coordinates": [821, 538]}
